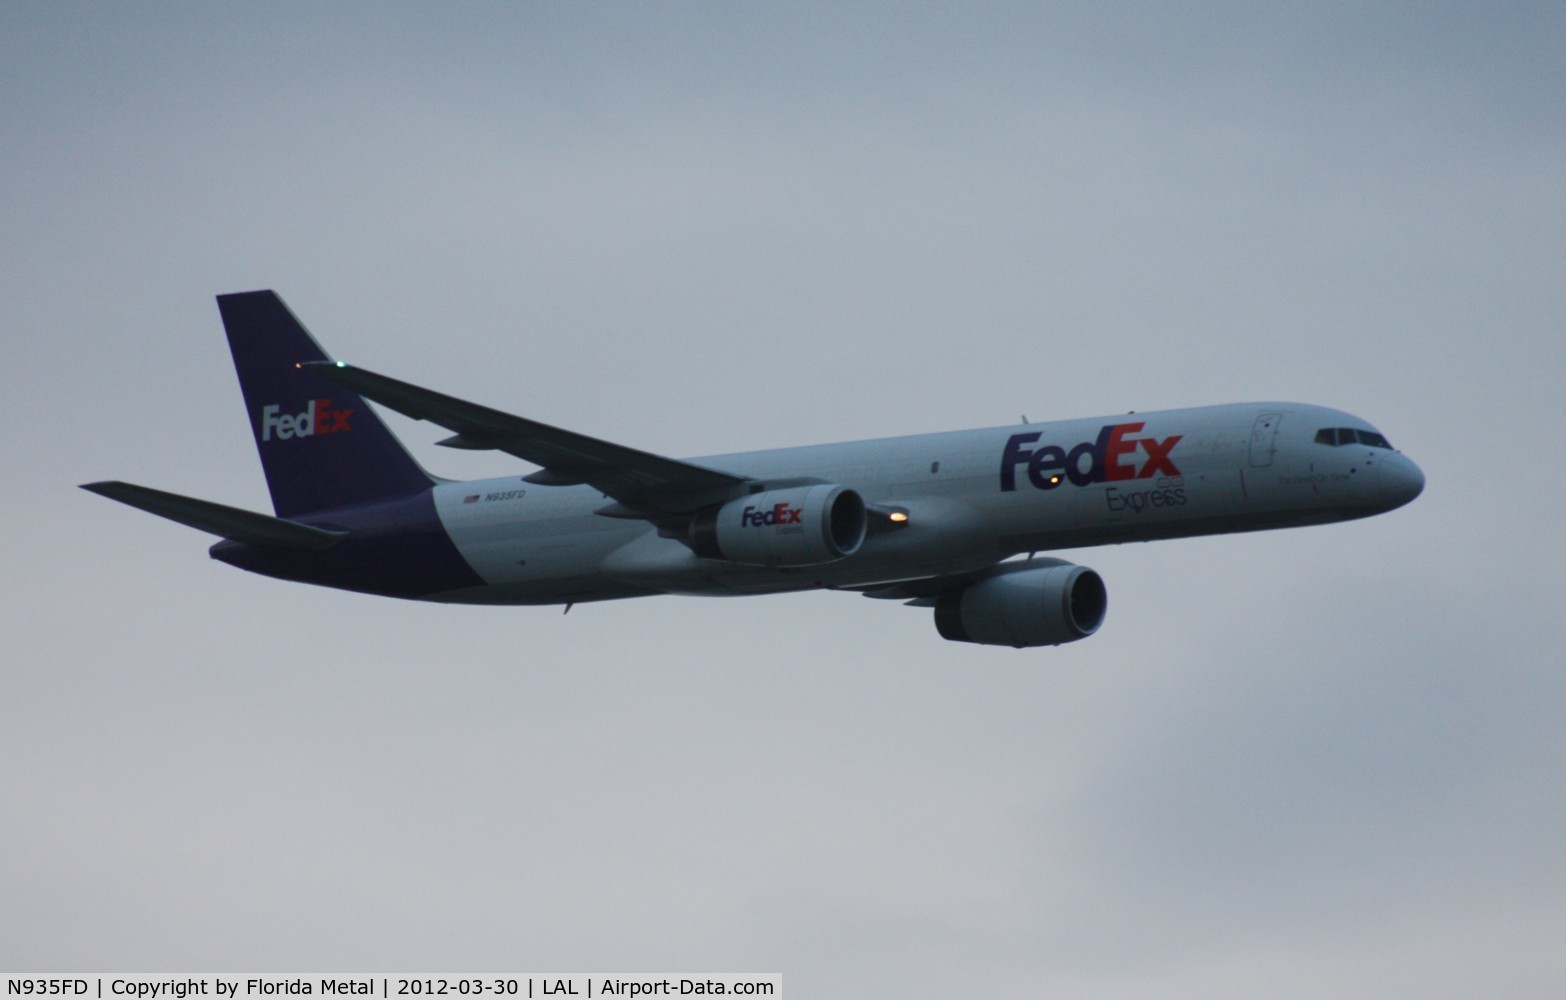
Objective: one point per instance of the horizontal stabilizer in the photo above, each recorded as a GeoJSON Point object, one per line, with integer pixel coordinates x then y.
{"type": "Point", "coordinates": [637, 479]}
{"type": "Point", "coordinates": [229, 522]}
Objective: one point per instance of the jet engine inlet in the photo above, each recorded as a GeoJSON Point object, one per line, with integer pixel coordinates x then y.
{"type": "Point", "coordinates": [798, 526]}
{"type": "Point", "coordinates": [1037, 606]}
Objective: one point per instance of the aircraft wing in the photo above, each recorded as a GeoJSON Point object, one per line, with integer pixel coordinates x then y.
{"type": "Point", "coordinates": [639, 480]}
{"type": "Point", "coordinates": [925, 592]}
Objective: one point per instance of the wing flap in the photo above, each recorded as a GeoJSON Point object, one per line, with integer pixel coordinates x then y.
{"type": "Point", "coordinates": [638, 479]}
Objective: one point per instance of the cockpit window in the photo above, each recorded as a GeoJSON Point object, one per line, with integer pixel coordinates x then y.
{"type": "Point", "coordinates": [1337, 436]}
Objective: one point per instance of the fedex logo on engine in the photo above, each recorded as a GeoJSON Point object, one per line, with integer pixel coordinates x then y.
{"type": "Point", "coordinates": [755, 517]}
{"type": "Point", "coordinates": [318, 418]}
{"type": "Point", "coordinates": [1114, 456]}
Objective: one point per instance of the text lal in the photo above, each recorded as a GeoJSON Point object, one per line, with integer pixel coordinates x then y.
{"type": "Point", "coordinates": [611, 987]}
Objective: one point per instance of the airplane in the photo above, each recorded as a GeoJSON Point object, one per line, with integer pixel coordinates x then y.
{"type": "Point", "coordinates": [952, 521]}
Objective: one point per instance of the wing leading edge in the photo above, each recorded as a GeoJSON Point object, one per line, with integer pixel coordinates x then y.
{"type": "Point", "coordinates": [643, 483]}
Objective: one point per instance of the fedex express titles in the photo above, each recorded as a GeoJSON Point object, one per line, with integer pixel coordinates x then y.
{"type": "Point", "coordinates": [1116, 456]}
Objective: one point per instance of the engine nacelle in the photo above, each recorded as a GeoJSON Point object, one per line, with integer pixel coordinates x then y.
{"type": "Point", "coordinates": [1037, 606]}
{"type": "Point", "coordinates": [797, 526]}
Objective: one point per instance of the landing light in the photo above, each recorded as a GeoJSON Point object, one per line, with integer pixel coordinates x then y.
{"type": "Point", "coordinates": [897, 517]}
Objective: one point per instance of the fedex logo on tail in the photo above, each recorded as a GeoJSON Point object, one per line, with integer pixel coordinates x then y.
{"type": "Point", "coordinates": [1115, 455]}
{"type": "Point", "coordinates": [318, 418]}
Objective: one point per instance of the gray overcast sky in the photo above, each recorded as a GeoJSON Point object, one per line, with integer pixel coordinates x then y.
{"type": "Point", "coordinates": [1294, 764]}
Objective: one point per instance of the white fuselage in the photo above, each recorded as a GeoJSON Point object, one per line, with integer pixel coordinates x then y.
{"type": "Point", "coordinates": [972, 498]}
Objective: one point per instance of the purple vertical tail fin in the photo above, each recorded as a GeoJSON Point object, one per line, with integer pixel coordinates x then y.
{"type": "Point", "coordinates": [321, 446]}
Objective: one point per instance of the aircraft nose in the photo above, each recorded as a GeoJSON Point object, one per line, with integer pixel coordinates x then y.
{"type": "Point", "coordinates": [1400, 481]}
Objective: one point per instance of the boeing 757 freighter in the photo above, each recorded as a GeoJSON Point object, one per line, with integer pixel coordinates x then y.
{"type": "Point", "coordinates": [951, 521]}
